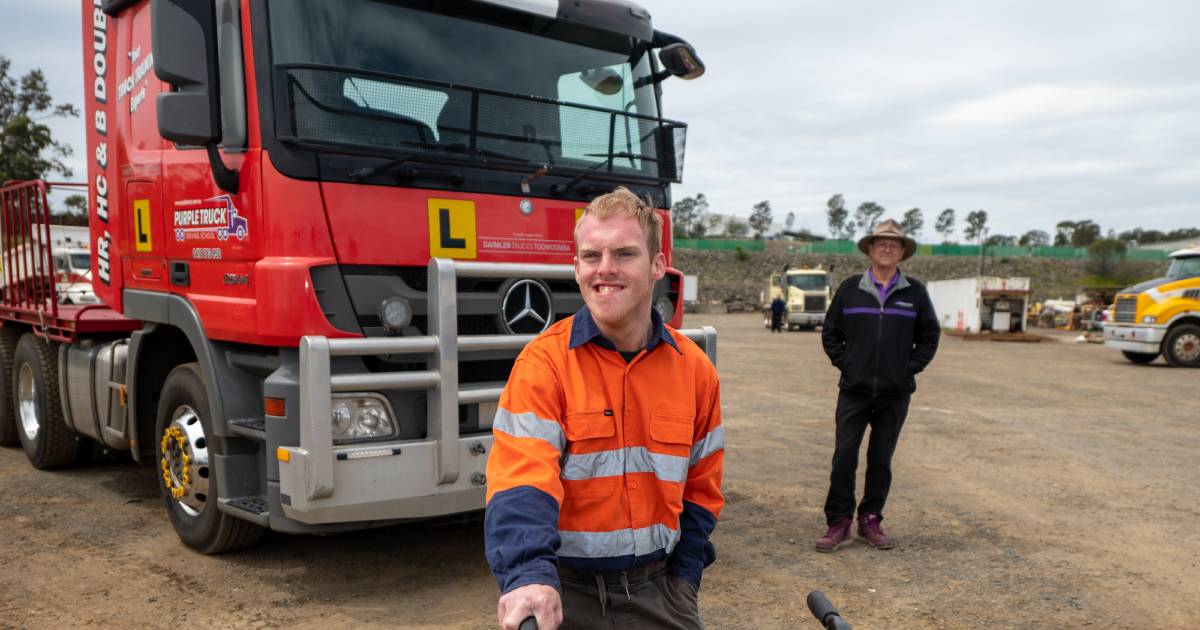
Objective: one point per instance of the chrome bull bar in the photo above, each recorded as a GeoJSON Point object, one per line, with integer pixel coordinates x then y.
{"type": "Point", "coordinates": [442, 347]}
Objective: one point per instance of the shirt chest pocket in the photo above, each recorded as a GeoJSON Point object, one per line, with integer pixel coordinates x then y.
{"type": "Point", "coordinates": [591, 469]}
{"type": "Point", "coordinates": [672, 434]}
{"type": "Point", "coordinates": [590, 425]}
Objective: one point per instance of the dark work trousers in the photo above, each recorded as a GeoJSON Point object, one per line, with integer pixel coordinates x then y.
{"type": "Point", "coordinates": [776, 322]}
{"type": "Point", "coordinates": [646, 598]}
{"type": "Point", "coordinates": [855, 412]}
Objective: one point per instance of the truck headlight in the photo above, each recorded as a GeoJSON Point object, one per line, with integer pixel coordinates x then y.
{"type": "Point", "coordinates": [1149, 319]}
{"type": "Point", "coordinates": [361, 417]}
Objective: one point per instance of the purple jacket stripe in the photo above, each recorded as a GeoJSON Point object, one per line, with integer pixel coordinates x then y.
{"type": "Point", "coordinates": [900, 311]}
{"type": "Point", "coordinates": [860, 311]}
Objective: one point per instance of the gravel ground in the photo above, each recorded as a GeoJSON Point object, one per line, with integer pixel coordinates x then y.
{"type": "Point", "coordinates": [1035, 484]}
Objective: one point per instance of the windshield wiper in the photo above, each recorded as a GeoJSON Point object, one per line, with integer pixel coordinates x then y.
{"type": "Point", "coordinates": [561, 189]}
{"type": "Point", "coordinates": [454, 149]}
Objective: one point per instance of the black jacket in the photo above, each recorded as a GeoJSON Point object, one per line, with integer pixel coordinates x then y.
{"type": "Point", "coordinates": [880, 347]}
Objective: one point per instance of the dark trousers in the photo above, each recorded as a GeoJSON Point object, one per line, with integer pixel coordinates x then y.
{"type": "Point", "coordinates": [855, 412]}
{"type": "Point", "coordinates": [646, 598]}
{"type": "Point", "coordinates": [776, 322]}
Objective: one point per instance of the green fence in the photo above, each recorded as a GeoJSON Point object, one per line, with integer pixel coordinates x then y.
{"type": "Point", "coordinates": [717, 243]}
{"type": "Point", "coordinates": [850, 247]}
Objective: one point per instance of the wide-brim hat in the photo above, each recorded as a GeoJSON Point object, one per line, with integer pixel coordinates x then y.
{"type": "Point", "coordinates": [888, 228]}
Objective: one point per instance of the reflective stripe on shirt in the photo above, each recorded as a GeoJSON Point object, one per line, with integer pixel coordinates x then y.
{"type": "Point", "coordinates": [713, 441]}
{"type": "Point", "coordinates": [528, 425]}
{"type": "Point", "coordinates": [616, 462]}
{"type": "Point", "coordinates": [641, 541]}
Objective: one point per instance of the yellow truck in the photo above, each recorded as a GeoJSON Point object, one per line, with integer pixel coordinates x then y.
{"type": "Point", "coordinates": [1160, 316]}
{"type": "Point", "coordinates": [807, 297]}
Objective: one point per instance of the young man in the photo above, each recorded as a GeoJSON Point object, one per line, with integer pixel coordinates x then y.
{"type": "Point", "coordinates": [604, 480]}
{"type": "Point", "coordinates": [880, 331]}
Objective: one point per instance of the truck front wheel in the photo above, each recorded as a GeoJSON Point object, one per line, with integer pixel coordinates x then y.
{"type": "Point", "coordinates": [45, 436]}
{"type": "Point", "coordinates": [184, 446]}
{"type": "Point", "coordinates": [1182, 346]}
{"type": "Point", "coordinates": [1140, 357]}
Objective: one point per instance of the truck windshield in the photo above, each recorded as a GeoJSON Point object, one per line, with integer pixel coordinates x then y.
{"type": "Point", "coordinates": [80, 261]}
{"type": "Point", "coordinates": [807, 283]}
{"type": "Point", "coordinates": [1184, 268]}
{"type": "Point", "coordinates": [380, 75]}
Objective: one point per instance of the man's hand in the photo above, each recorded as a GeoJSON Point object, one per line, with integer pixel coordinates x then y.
{"type": "Point", "coordinates": [539, 600]}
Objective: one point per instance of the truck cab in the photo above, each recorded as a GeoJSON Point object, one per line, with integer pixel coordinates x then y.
{"type": "Point", "coordinates": [318, 230]}
{"type": "Point", "coordinates": [73, 274]}
{"type": "Point", "coordinates": [806, 294]}
{"type": "Point", "coordinates": [1160, 316]}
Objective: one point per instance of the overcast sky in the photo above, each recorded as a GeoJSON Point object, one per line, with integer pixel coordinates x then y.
{"type": "Point", "coordinates": [1033, 111]}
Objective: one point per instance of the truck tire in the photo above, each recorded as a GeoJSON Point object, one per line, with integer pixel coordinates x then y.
{"type": "Point", "coordinates": [1140, 357]}
{"type": "Point", "coordinates": [1182, 346]}
{"type": "Point", "coordinates": [45, 436]}
{"type": "Point", "coordinates": [8, 412]}
{"type": "Point", "coordinates": [183, 447]}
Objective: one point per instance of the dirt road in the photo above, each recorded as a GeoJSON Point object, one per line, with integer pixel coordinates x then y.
{"type": "Point", "coordinates": [1047, 483]}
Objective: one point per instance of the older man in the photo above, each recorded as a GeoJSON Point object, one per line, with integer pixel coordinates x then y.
{"type": "Point", "coordinates": [880, 331]}
{"type": "Point", "coordinates": [604, 481]}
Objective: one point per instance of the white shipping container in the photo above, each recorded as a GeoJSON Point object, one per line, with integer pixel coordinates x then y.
{"type": "Point", "coordinates": [972, 305]}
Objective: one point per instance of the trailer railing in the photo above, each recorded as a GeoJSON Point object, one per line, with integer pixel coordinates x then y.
{"type": "Point", "coordinates": [28, 276]}
{"type": "Point", "coordinates": [441, 347]}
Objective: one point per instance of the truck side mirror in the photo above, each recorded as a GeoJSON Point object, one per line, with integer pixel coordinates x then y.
{"type": "Point", "coordinates": [184, 40]}
{"type": "Point", "coordinates": [681, 60]}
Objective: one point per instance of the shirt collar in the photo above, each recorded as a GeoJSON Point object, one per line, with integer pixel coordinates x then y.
{"type": "Point", "coordinates": [584, 329]}
{"type": "Point", "coordinates": [891, 283]}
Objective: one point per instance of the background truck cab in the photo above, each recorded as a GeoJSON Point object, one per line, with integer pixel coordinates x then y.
{"type": "Point", "coordinates": [806, 293]}
{"type": "Point", "coordinates": [1160, 316]}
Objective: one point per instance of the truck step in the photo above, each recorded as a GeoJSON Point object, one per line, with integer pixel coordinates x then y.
{"type": "Point", "coordinates": [255, 509]}
{"type": "Point", "coordinates": [253, 428]}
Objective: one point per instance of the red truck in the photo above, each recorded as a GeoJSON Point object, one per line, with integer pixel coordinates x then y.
{"type": "Point", "coordinates": [321, 232]}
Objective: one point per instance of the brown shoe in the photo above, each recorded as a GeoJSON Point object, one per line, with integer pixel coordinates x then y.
{"type": "Point", "coordinates": [838, 533]}
{"type": "Point", "coordinates": [869, 530]}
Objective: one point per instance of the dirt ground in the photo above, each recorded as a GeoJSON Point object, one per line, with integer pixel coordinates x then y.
{"type": "Point", "coordinates": [1035, 484]}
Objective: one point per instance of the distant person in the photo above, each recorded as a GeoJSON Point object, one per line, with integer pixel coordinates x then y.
{"type": "Point", "coordinates": [778, 306]}
{"type": "Point", "coordinates": [604, 480]}
{"type": "Point", "coordinates": [880, 331]}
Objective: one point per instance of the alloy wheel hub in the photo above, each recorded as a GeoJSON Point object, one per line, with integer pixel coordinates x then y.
{"type": "Point", "coordinates": [185, 461]}
{"type": "Point", "coordinates": [27, 394]}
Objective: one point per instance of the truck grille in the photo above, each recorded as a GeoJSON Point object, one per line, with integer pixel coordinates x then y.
{"type": "Point", "coordinates": [1126, 310]}
{"type": "Point", "coordinates": [814, 303]}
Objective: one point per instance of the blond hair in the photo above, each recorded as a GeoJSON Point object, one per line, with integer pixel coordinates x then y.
{"type": "Point", "coordinates": [623, 201]}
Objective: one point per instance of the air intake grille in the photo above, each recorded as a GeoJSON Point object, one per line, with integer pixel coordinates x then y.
{"type": "Point", "coordinates": [814, 303]}
{"type": "Point", "coordinates": [1126, 310]}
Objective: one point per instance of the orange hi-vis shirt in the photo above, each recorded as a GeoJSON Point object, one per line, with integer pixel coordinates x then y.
{"type": "Point", "coordinates": [601, 464]}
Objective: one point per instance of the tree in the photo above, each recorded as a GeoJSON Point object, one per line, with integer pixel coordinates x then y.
{"type": "Point", "coordinates": [687, 217]}
{"type": "Point", "coordinates": [1085, 233]}
{"type": "Point", "coordinates": [976, 225]}
{"type": "Point", "coordinates": [736, 228]}
{"type": "Point", "coordinates": [912, 223]}
{"type": "Point", "coordinates": [1104, 254]}
{"type": "Point", "coordinates": [1003, 240]}
{"type": "Point", "coordinates": [1181, 233]}
{"type": "Point", "coordinates": [1063, 232]}
{"type": "Point", "coordinates": [790, 221]}
{"type": "Point", "coordinates": [75, 204]}
{"type": "Point", "coordinates": [1034, 238]}
{"type": "Point", "coordinates": [867, 215]}
{"type": "Point", "coordinates": [760, 218]}
{"type": "Point", "coordinates": [27, 150]}
{"type": "Point", "coordinates": [835, 209]}
{"type": "Point", "coordinates": [945, 224]}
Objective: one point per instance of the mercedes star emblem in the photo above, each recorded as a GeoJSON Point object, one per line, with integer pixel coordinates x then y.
{"type": "Point", "coordinates": [527, 308]}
